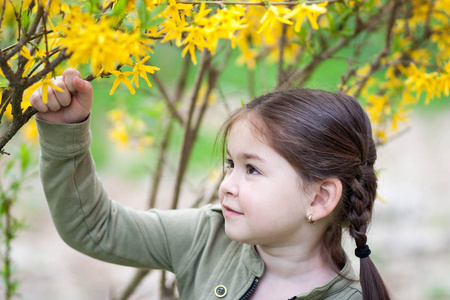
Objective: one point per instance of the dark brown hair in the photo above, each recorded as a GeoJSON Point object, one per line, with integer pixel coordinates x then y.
{"type": "Point", "coordinates": [325, 135]}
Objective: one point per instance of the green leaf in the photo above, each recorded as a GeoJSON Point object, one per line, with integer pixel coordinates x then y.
{"type": "Point", "coordinates": [158, 10]}
{"type": "Point", "coordinates": [119, 8]}
{"type": "Point", "coordinates": [9, 166]}
{"type": "Point", "coordinates": [24, 155]}
{"type": "Point", "coordinates": [129, 25]}
{"type": "Point", "coordinates": [25, 20]}
{"type": "Point", "coordinates": [94, 5]}
{"type": "Point", "coordinates": [142, 12]}
{"type": "Point", "coordinates": [154, 22]}
{"type": "Point", "coordinates": [152, 16]}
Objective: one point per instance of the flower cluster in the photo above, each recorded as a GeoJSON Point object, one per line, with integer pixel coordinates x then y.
{"type": "Point", "coordinates": [128, 131]}
{"type": "Point", "coordinates": [414, 71]}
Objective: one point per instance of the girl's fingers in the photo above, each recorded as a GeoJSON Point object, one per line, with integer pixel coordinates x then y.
{"type": "Point", "coordinates": [68, 77]}
{"type": "Point", "coordinates": [64, 98]}
{"type": "Point", "coordinates": [52, 101]}
{"type": "Point", "coordinates": [37, 102]}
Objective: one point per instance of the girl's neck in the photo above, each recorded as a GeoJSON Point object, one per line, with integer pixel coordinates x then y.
{"type": "Point", "coordinates": [299, 262]}
{"type": "Point", "coordinates": [289, 272]}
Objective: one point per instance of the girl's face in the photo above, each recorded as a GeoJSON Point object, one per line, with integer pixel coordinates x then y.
{"type": "Point", "coordinates": [261, 197]}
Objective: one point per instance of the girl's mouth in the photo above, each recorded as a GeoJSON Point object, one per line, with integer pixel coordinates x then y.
{"type": "Point", "coordinates": [229, 212]}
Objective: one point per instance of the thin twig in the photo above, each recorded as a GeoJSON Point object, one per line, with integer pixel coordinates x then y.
{"type": "Point", "coordinates": [170, 103]}
{"type": "Point", "coordinates": [3, 13]}
{"type": "Point", "coordinates": [302, 74]}
{"type": "Point", "coordinates": [159, 168]}
{"type": "Point", "coordinates": [4, 105]}
{"type": "Point", "coordinates": [182, 78]}
{"type": "Point", "coordinates": [138, 276]}
{"type": "Point", "coordinates": [27, 37]}
{"type": "Point", "coordinates": [281, 54]}
{"type": "Point", "coordinates": [62, 56]}
{"type": "Point", "coordinates": [377, 65]}
{"type": "Point", "coordinates": [187, 138]}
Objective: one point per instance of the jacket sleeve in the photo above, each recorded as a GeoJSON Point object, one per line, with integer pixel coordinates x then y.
{"type": "Point", "coordinates": [90, 222]}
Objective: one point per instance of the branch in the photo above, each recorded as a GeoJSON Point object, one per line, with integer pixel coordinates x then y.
{"type": "Point", "coordinates": [6, 100]}
{"type": "Point", "coordinates": [159, 168]}
{"type": "Point", "coordinates": [170, 103]}
{"type": "Point", "coordinates": [18, 119]}
{"type": "Point", "coordinates": [187, 138]}
{"type": "Point", "coordinates": [377, 65]}
{"type": "Point", "coordinates": [281, 55]}
{"type": "Point", "coordinates": [138, 276]}
{"type": "Point", "coordinates": [62, 56]}
{"type": "Point", "coordinates": [211, 195]}
{"type": "Point", "coordinates": [182, 78]}
{"type": "Point", "coordinates": [18, 87]}
{"type": "Point", "coordinates": [27, 37]}
{"type": "Point", "coordinates": [3, 13]}
{"type": "Point", "coordinates": [302, 74]}
{"type": "Point", "coordinates": [212, 81]}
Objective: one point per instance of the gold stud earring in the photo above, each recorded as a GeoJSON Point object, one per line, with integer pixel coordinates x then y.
{"type": "Point", "coordinates": [310, 219]}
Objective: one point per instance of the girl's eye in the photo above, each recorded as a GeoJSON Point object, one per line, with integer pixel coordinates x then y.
{"type": "Point", "coordinates": [229, 164]}
{"type": "Point", "coordinates": [251, 170]}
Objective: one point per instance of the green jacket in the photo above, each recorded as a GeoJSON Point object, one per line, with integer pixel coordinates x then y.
{"type": "Point", "coordinates": [190, 242]}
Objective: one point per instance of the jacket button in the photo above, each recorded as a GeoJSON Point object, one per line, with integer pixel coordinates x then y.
{"type": "Point", "coordinates": [220, 291]}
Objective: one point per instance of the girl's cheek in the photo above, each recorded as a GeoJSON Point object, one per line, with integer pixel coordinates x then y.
{"type": "Point", "coordinates": [220, 194]}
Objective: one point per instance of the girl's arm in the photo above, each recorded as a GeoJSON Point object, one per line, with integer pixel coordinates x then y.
{"type": "Point", "coordinates": [86, 219]}
{"type": "Point", "coordinates": [83, 214]}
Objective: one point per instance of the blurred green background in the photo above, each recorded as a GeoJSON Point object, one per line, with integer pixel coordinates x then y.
{"type": "Point", "coordinates": [409, 233]}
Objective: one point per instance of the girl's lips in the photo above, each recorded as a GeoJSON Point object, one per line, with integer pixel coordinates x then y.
{"type": "Point", "coordinates": [228, 212]}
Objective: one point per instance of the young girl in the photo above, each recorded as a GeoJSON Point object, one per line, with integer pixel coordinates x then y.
{"type": "Point", "coordinates": [299, 169]}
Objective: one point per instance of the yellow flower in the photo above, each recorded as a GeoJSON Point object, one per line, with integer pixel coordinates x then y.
{"type": "Point", "coordinates": [45, 84]}
{"type": "Point", "coordinates": [202, 13]}
{"type": "Point", "coordinates": [381, 198]}
{"type": "Point", "coordinates": [120, 135]}
{"type": "Point", "coordinates": [53, 8]}
{"type": "Point", "coordinates": [272, 15]}
{"type": "Point", "coordinates": [30, 132]}
{"type": "Point", "coordinates": [201, 94]}
{"type": "Point", "coordinates": [248, 57]}
{"type": "Point", "coordinates": [173, 30]}
{"type": "Point", "coordinates": [195, 39]}
{"type": "Point", "coordinates": [312, 12]}
{"type": "Point", "coordinates": [141, 69]}
{"type": "Point", "coordinates": [121, 78]}
{"type": "Point", "coordinates": [116, 115]}
{"type": "Point", "coordinates": [177, 11]}
{"type": "Point", "coordinates": [25, 53]}
{"type": "Point", "coordinates": [191, 48]}
{"type": "Point", "coordinates": [87, 38]}
{"type": "Point", "coordinates": [145, 141]}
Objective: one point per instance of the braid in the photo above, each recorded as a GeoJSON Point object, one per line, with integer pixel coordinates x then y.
{"type": "Point", "coordinates": [362, 196]}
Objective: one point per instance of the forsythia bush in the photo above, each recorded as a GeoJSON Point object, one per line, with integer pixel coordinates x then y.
{"type": "Point", "coordinates": [37, 36]}
{"type": "Point", "coordinates": [396, 53]}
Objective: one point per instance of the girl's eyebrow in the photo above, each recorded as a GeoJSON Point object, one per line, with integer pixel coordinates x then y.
{"type": "Point", "coordinates": [248, 156]}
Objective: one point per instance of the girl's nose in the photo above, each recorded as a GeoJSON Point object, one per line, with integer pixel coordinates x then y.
{"type": "Point", "coordinates": [229, 185]}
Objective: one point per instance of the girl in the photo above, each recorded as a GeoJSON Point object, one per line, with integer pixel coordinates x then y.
{"type": "Point", "coordinates": [299, 169]}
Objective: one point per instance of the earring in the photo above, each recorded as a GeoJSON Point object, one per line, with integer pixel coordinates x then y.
{"type": "Point", "coordinates": [310, 219]}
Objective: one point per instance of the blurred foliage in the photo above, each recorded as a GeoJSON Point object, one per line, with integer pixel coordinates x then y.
{"type": "Point", "coordinates": [15, 174]}
{"type": "Point", "coordinates": [161, 67]}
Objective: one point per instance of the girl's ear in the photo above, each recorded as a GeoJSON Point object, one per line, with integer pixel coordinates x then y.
{"type": "Point", "coordinates": [327, 196]}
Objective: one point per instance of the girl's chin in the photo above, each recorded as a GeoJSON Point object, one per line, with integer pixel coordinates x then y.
{"type": "Point", "coordinates": [237, 235]}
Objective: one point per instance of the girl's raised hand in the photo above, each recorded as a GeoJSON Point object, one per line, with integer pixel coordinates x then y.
{"type": "Point", "coordinates": [73, 105]}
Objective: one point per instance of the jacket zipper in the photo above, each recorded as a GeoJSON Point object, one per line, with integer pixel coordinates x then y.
{"type": "Point", "coordinates": [250, 291]}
